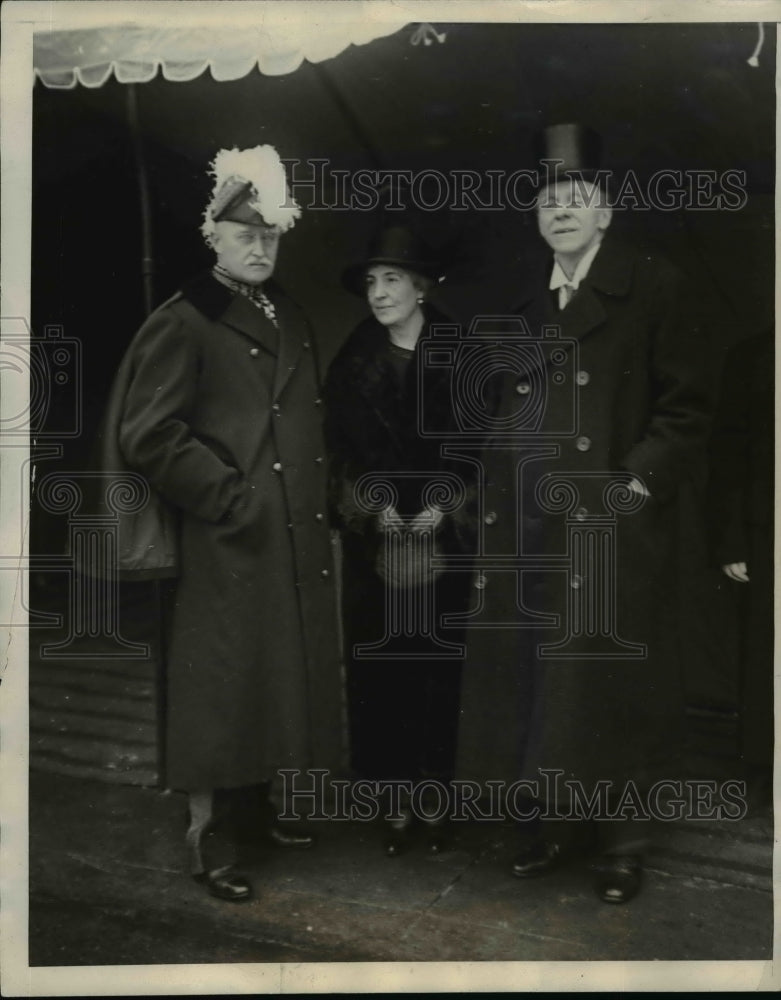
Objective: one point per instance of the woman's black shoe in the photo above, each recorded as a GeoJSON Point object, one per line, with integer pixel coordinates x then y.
{"type": "Point", "coordinates": [436, 841]}
{"type": "Point", "coordinates": [619, 878]}
{"type": "Point", "coordinates": [538, 859]}
{"type": "Point", "coordinates": [226, 883]}
{"type": "Point", "coordinates": [435, 835]}
{"type": "Point", "coordinates": [396, 844]}
{"type": "Point", "coordinates": [277, 835]}
{"type": "Point", "coordinates": [399, 833]}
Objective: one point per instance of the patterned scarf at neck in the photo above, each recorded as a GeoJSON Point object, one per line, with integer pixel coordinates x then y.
{"type": "Point", "coordinates": [252, 292]}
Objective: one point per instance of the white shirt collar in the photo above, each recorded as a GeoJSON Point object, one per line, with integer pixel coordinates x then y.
{"type": "Point", "coordinates": [559, 278]}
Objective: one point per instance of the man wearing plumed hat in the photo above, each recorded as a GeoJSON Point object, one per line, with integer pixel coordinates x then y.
{"type": "Point", "coordinates": [587, 694]}
{"type": "Point", "coordinates": [217, 406]}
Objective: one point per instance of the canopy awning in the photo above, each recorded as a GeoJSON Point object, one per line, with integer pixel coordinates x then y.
{"type": "Point", "coordinates": [229, 40]}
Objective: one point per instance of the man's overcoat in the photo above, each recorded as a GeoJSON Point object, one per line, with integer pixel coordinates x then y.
{"type": "Point", "coordinates": [616, 387]}
{"type": "Point", "coordinates": [220, 413]}
{"type": "Point", "coordinates": [741, 509]}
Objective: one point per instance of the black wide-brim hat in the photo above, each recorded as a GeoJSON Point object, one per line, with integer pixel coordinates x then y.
{"type": "Point", "coordinates": [577, 150]}
{"type": "Point", "coordinates": [399, 246]}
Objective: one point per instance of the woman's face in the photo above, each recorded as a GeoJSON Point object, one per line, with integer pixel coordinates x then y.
{"type": "Point", "coordinates": [391, 294]}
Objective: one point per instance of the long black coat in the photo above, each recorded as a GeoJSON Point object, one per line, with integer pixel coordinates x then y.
{"type": "Point", "coordinates": [623, 392]}
{"type": "Point", "coordinates": [222, 416]}
{"type": "Point", "coordinates": [403, 706]}
{"type": "Point", "coordinates": [741, 510]}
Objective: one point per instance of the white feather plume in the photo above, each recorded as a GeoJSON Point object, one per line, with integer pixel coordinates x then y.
{"type": "Point", "coordinates": [262, 167]}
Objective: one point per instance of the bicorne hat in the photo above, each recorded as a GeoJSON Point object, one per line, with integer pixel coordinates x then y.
{"type": "Point", "coordinates": [399, 246]}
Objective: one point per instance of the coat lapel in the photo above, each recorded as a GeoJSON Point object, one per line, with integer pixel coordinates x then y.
{"type": "Point", "coordinates": [219, 304]}
{"type": "Point", "coordinates": [245, 317]}
{"type": "Point", "coordinates": [610, 273]}
{"type": "Point", "coordinates": [376, 381]}
{"type": "Point", "coordinates": [584, 313]}
{"type": "Point", "coordinates": [294, 338]}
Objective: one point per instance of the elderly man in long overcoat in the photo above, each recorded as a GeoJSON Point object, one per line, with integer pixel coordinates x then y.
{"type": "Point", "coordinates": [570, 675]}
{"type": "Point", "coordinates": [217, 407]}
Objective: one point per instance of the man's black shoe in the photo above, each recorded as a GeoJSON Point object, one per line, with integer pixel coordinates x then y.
{"type": "Point", "coordinates": [539, 859]}
{"type": "Point", "coordinates": [226, 883]}
{"type": "Point", "coordinates": [619, 878]}
{"type": "Point", "coordinates": [280, 837]}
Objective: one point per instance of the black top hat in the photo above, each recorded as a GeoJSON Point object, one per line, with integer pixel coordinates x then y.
{"type": "Point", "coordinates": [397, 245]}
{"type": "Point", "coordinates": [577, 148]}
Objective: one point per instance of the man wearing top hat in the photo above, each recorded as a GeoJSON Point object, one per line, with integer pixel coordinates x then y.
{"type": "Point", "coordinates": [577, 682]}
{"type": "Point", "coordinates": [217, 406]}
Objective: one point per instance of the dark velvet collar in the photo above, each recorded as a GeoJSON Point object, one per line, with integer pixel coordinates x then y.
{"type": "Point", "coordinates": [212, 298]}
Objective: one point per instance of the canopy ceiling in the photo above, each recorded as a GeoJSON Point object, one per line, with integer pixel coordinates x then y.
{"type": "Point", "coordinates": [273, 38]}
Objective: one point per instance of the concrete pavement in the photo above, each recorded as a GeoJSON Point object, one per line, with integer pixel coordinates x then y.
{"type": "Point", "coordinates": [107, 887]}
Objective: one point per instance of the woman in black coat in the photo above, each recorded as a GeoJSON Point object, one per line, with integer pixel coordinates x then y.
{"type": "Point", "coordinates": [386, 418]}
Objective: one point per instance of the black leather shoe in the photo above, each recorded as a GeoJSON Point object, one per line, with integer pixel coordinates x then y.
{"type": "Point", "coordinates": [280, 837]}
{"type": "Point", "coordinates": [395, 845]}
{"type": "Point", "coordinates": [226, 883]}
{"type": "Point", "coordinates": [539, 859]}
{"type": "Point", "coordinates": [619, 878]}
{"type": "Point", "coordinates": [435, 836]}
{"type": "Point", "coordinates": [399, 834]}
{"type": "Point", "coordinates": [436, 841]}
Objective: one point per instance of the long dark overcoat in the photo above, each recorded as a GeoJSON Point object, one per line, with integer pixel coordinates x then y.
{"type": "Point", "coordinates": [741, 509]}
{"type": "Point", "coordinates": [221, 414]}
{"type": "Point", "coordinates": [622, 391]}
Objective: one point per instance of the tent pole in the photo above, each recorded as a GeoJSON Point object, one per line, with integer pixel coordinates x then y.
{"type": "Point", "coordinates": [147, 259]}
{"type": "Point", "coordinates": [159, 596]}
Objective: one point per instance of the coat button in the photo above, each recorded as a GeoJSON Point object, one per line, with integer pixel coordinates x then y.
{"type": "Point", "coordinates": [254, 352]}
{"type": "Point", "coordinates": [318, 402]}
{"type": "Point", "coordinates": [583, 443]}
{"type": "Point", "coordinates": [318, 517]}
{"type": "Point", "coordinates": [305, 345]}
{"type": "Point", "coordinates": [275, 408]}
{"type": "Point", "coordinates": [576, 582]}
{"type": "Point", "coordinates": [324, 573]}
{"type": "Point", "coordinates": [319, 459]}
{"type": "Point", "coordinates": [523, 388]}
{"type": "Point", "coordinates": [581, 513]}
{"type": "Point", "coordinates": [490, 517]}
{"type": "Point", "coordinates": [277, 466]}
{"type": "Point", "coordinates": [480, 582]}
{"type": "Point", "coordinates": [582, 378]}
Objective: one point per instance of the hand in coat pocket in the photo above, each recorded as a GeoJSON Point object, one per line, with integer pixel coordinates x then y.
{"type": "Point", "coordinates": [245, 508]}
